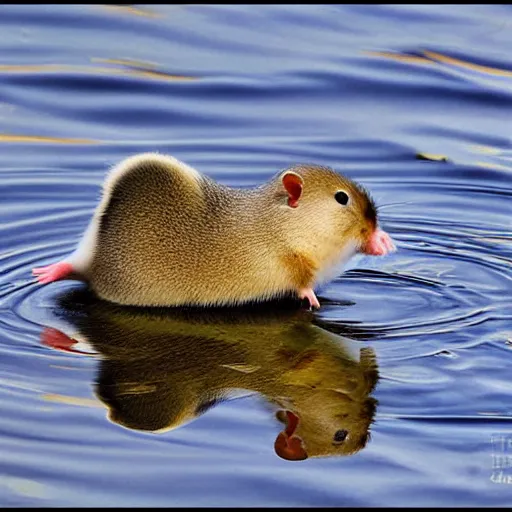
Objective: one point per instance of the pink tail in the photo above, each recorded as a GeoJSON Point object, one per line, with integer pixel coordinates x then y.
{"type": "Point", "coordinates": [53, 272]}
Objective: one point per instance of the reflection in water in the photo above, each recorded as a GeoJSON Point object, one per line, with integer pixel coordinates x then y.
{"type": "Point", "coordinates": [6, 137]}
{"type": "Point", "coordinates": [438, 57]}
{"type": "Point", "coordinates": [162, 368]}
{"type": "Point", "coordinates": [131, 9]}
{"type": "Point", "coordinates": [128, 68]}
{"type": "Point", "coordinates": [433, 58]}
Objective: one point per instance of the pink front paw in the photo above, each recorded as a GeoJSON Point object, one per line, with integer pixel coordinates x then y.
{"type": "Point", "coordinates": [308, 293]}
{"type": "Point", "coordinates": [53, 272]}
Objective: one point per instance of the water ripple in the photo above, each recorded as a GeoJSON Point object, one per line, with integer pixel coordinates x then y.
{"type": "Point", "coordinates": [240, 93]}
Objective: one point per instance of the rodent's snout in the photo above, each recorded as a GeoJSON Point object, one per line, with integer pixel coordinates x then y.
{"type": "Point", "coordinates": [379, 244]}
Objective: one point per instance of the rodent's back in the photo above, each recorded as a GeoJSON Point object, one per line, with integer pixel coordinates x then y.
{"type": "Point", "coordinates": [169, 235]}
{"type": "Point", "coordinates": [152, 213]}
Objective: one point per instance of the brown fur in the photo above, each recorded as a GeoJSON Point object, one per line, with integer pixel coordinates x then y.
{"type": "Point", "coordinates": [171, 237]}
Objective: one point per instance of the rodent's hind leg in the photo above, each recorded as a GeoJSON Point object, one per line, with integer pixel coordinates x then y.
{"type": "Point", "coordinates": [308, 293]}
{"type": "Point", "coordinates": [54, 272]}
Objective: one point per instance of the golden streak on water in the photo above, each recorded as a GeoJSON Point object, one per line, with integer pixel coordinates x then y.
{"type": "Point", "coordinates": [4, 137]}
{"type": "Point", "coordinates": [130, 71]}
{"type": "Point", "coordinates": [435, 58]}
{"type": "Point", "coordinates": [457, 62]}
{"type": "Point", "coordinates": [21, 68]}
{"type": "Point", "coordinates": [485, 149]}
{"type": "Point", "coordinates": [400, 57]}
{"type": "Point", "coordinates": [126, 62]}
{"type": "Point", "coordinates": [128, 9]}
{"type": "Point", "coordinates": [71, 400]}
{"type": "Point", "coordinates": [158, 75]}
{"type": "Point", "coordinates": [490, 165]}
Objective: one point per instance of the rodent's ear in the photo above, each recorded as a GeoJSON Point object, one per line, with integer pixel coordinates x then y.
{"type": "Point", "coordinates": [293, 183]}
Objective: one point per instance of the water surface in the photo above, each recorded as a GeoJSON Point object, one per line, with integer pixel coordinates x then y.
{"type": "Point", "coordinates": [418, 344]}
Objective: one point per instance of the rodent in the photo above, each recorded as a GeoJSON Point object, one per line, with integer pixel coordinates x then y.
{"type": "Point", "coordinates": [165, 235]}
{"type": "Point", "coordinates": [161, 368]}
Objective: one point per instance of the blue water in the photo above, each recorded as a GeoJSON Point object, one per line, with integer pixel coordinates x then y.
{"type": "Point", "coordinates": [240, 92]}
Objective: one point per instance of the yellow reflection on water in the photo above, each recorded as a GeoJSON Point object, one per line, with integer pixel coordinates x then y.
{"type": "Point", "coordinates": [458, 62]}
{"type": "Point", "coordinates": [126, 62]}
{"type": "Point", "coordinates": [413, 59]}
{"type": "Point", "coordinates": [435, 58]}
{"type": "Point", "coordinates": [129, 69]}
{"type": "Point", "coordinates": [485, 149]}
{"type": "Point", "coordinates": [140, 68]}
{"type": "Point", "coordinates": [130, 9]}
{"type": "Point", "coordinates": [490, 165]}
{"type": "Point", "coordinates": [6, 137]}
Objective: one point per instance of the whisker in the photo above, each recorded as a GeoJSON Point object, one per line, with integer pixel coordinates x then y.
{"type": "Point", "coordinates": [391, 205]}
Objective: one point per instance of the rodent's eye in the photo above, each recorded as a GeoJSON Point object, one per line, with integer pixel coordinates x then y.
{"type": "Point", "coordinates": [342, 197]}
{"type": "Point", "coordinates": [340, 436]}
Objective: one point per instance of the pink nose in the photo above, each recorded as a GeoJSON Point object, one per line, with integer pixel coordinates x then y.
{"type": "Point", "coordinates": [379, 244]}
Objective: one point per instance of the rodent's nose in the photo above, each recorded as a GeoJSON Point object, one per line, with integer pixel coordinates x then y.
{"type": "Point", "coordinates": [379, 244]}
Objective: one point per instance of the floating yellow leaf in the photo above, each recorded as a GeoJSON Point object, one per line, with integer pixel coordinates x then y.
{"type": "Point", "coordinates": [431, 157]}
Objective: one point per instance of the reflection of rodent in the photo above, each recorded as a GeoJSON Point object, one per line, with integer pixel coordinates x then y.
{"type": "Point", "coordinates": [165, 235]}
{"type": "Point", "coordinates": [161, 369]}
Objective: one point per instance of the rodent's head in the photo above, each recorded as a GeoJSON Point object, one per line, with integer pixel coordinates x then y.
{"type": "Point", "coordinates": [328, 409]}
{"type": "Point", "coordinates": [331, 425]}
{"type": "Point", "coordinates": [333, 210]}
